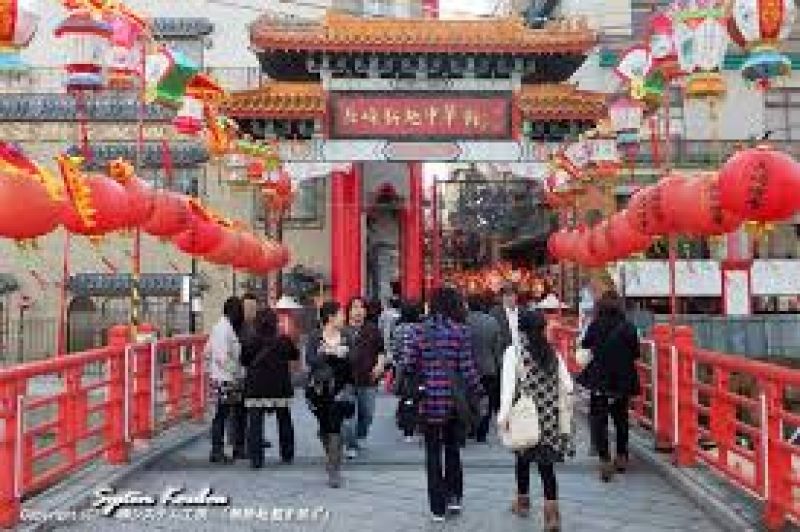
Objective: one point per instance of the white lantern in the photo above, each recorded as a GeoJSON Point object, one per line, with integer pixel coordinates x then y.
{"type": "Point", "coordinates": [626, 118]}
{"type": "Point", "coordinates": [86, 41]}
{"type": "Point", "coordinates": [702, 42]}
{"type": "Point", "coordinates": [18, 22]}
{"type": "Point", "coordinates": [125, 56]}
{"type": "Point", "coordinates": [190, 117]}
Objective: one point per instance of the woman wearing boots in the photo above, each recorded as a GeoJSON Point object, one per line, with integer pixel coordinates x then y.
{"type": "Point", "coordinates": [534, 369]}
{"type": "Point", "coordinates": [611, 378]}
{"type": "Point", "coordinates": [330, 385]}
{"type": "Point", "coordinates": [268, 387]}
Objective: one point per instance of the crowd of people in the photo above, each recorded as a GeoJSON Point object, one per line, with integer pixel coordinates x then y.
{"type": "Point", "coordinates": [455, 365]}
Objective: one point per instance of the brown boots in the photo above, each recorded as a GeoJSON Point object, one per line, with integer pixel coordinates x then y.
{"type": "Point", "coordinates": [333, 459]}
{"type": "Point", "coordinates": [521, 506]}
{"type": "Point", "coordinates": [552, 518]}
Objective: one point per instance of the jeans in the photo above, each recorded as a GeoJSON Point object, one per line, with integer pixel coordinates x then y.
{"type": "Point", "coordinates": [237, 427]}
{"type": "Point", "coordinates": [547, 473]}
{"type": "Point", "coordinates": [600, 407]}
{"type": "Point", "coordinates": [255, 434]}
{"type": "Point", "coordinates": [447, 485]}
{"type": "Point", "coordinates": [491, 384]}
{"type": "Point", "coordinates": [357, 427]}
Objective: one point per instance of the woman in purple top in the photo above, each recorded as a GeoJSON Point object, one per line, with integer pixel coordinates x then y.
{"type": "Point", "coordinates": [439, 349]}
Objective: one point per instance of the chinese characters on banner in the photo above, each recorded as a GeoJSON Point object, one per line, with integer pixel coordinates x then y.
{"type": "Point", "coordinates": [435, 117]}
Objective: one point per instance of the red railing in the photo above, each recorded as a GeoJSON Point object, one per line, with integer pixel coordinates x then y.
{"type": "Point", "coordinates": [728, 412]}
{"type": "Point", "coordinates": [59, 414]}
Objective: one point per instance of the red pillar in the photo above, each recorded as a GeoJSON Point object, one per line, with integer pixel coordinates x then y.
{"type": "Point", "coordinates": [436, 238]}
{"type": "Point", "coordinates": [338, 230]}
{"type": "Point", "coordinates": [413, 266]}
{"type": "Point", "coordinates": [663, 411]}
{"type": "Point", "coordinates": [346, 247]}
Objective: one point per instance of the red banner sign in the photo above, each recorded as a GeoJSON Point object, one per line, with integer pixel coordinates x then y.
{"type": "Point", "coordinates": [445, 116]}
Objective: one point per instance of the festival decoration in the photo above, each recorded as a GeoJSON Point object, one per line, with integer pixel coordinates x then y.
{"type": "Point", "coordinates": [201, 92]}
{"type": "Point", "coordinates": [701, 213]}
{"type": "Point", "coordinates": [167, 74]}
{"type": "Point", "coordinates": [662, 46]}
{"type": "Point", "coordinates": [702, 41]}
{"type": "Point", "coordinates": [228, 248]}
{"type": "Point", "coordinates": [141, 196]}
{"type": "Point", "coordinates": [604, 161]}
{"type": "Point", "coordinates": [125, 54]}
{"type": "Point", "coordinates": [278, 194]}
{"type": "Point", "coordinates": [171, 215]}
{"type": "Point", "coordinates": [625, 239]}
{"type": "Point", "coordinates": [626, 117]}
{"type": "Point", "coordinates": [31, 199]}
{"type": "Point", "coordinates": [204, 232]}
{"type": "Point", "coordinates": [757, 26]}
{"type": "Point", "coordinates": [18, 22]}
{"type": "Point", "coordinates": [99, 205]}
{"type": "Point", "coordinates": [645, 82]}
{"type": "Point", "coordinates": [87, 41]}
{"type": "Point", "coordinates": [760, 184]}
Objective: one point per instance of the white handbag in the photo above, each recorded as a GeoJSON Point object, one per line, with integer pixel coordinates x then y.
{"type": "Point", "coordinates": [523, 425]}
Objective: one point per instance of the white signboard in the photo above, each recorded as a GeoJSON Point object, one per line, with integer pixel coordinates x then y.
{"type": "Point", "coordinates": [650, 278]}
{"type": "Point", "coordinates": [776, 277]}
{"type": "Point", "coordinates": [737, 293]}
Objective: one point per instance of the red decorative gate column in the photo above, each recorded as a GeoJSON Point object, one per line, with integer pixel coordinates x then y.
{"type": "Point", "coordinates": [346, 248]}
{"type": "Point", "coordinates": [413, 269]}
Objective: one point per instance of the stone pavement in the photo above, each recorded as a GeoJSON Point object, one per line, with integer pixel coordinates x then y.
{"type": "Point", "coordinates": [385, 490]}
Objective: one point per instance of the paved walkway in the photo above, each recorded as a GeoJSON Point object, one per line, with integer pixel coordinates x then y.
{"type": "Point", "coordinates": [385, 490]}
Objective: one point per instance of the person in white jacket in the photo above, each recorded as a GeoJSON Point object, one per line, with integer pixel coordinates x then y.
{"type": "Point", "coordinates": [535, 370]}
{"type": "Point", "coordinates": [227, 375]}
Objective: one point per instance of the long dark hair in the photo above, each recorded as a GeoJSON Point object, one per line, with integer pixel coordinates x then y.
{"type": "Point", "coordinates": [410, 312]}
{"type": "Point", "coordinates": [267, 324]}
{"type": "Point", "coordinates": [448, 303]}
{"type": "Point", "coordinates": [234, 311]}
{"type": "Point", "coordinates": [532, 325]}
{"type": "Point", "coordinates": [609, 307]}
{"type": "Point", "coordinates": [328, 310]}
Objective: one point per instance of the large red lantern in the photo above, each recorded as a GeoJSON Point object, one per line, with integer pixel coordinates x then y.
{"type": "Point", "coordinates": [141, 201]}
{"type": "Point", "coordinates": [583, 252]}
{"type": "Point", "coordinates": [171, 215]}
{"type": "Point", "coordinates": [599, 245]}
{"type": "Point", "coordinates": [708, 217]}
{"type": "Point", "coordinates": [249, 252]}
{"type": "Point", "coordinates": [107, 201]}
{"type": "Point", "coordinates": [646, 211]}
{"type": "Point", "coordinates": [204, 233]}
{"type": "Point", "coordinates": [625, 239]}
{"type": "Point", "coordinates": [674, 203]}
{"type": "Point", "coordinates": [226, 251]}
{"type": "Point", "coordinates": [27, 208]}
{"type": "Point", "coordinates": [760, 184]}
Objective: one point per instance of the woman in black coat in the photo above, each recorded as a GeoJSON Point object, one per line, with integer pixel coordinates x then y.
{"type": "Point", "coordinates": [612, 378]}
{"type": "Point", "coordinates": [268, 386]}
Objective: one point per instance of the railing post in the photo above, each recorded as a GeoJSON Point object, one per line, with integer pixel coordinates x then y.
{"type": "Point", "coordinates": [10, 495]}
{"type": "Point", "coordinates": [115, 408]}
{"type": "Point", "coordinates": [69, 425]}
{"type": "Point", "coordinates": [662, 384]}
{"type": "Point", "coordinates": [199, 390]}
{"type": "Point", "coordinates": [142, 391]}
{"type": "Point", "coordinates": [777, 460]}
{"type": "Point", "coordinates": [174, 381]}
{"type": "Point", "coordinates": [688, 430]}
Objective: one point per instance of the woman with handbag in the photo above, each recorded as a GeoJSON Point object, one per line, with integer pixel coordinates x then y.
{"type": "Point", "coordinates": [226, 378]}
{"type": "Point", "coordinates": [535, 417]}
{"type": "Point", "coordinates": [329, 391]}
{"type": "Point", "coordinates": [268, 387]}
{"type": "Point", "coordinates": [611, 378]}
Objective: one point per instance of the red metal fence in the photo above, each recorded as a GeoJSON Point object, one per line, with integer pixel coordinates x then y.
{"type": "Point", "coordinates": [737, 416]}
{"type": "Point", "coordinates": [57, 415]}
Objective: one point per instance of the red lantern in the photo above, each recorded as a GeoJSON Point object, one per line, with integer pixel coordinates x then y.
{"type": "Point", "coordinates": [646, 210]}
{"type": "Point", "coordinates": [707, 217]}
{"type": "Point", "coordinates": [204, 233]}
{"type": "Point", "coordinates": [27, 209]}
{"type": "Point", "coordinates": [599, 244]}
{"type": "Point", "coordinates": [108, 202]}
{"type": "Point", "coordinates": [140, 193]}
{"type": "Point", "coordinates": [674, 203]}
{"type": "Point", "coordinates": [170, 216]}
{"type": "Point", "coordinates": [626, 240]}
{"type": "Point", "coordinates": [249, 252]}
{"type": "Point", "coordinates": [760, 184]}
{"type": "Point", "coordinates": [583, 251]}
{"type": "Point", "coordinates": [227, 250]}
{"type": "Point", "coordinates": [255, 170]}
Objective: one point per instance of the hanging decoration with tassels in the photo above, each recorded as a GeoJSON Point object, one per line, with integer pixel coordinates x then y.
{"type": "Point", "coordinates": [18, 22]}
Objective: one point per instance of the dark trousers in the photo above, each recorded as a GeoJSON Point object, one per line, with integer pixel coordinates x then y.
{"type": "Point", "coordinates": [491, 384]}
{"type": "Point", "coordinates": [238, 417]}
{"type": "Point", "coordinates": [255, 434]}
{"type": "Point", "coordinates": [547, 473]}
{"type": "Point", "coordinates": [447, 484]}
{"type": "Point", "coordinates": [602, 406]}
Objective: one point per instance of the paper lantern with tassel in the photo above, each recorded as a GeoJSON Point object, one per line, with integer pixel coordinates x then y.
{"type": "Point", "coordinates": [18, 22]}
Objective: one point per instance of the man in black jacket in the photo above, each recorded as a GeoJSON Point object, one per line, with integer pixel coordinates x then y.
{"type": "Point", "coordinates": [487, 349]}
